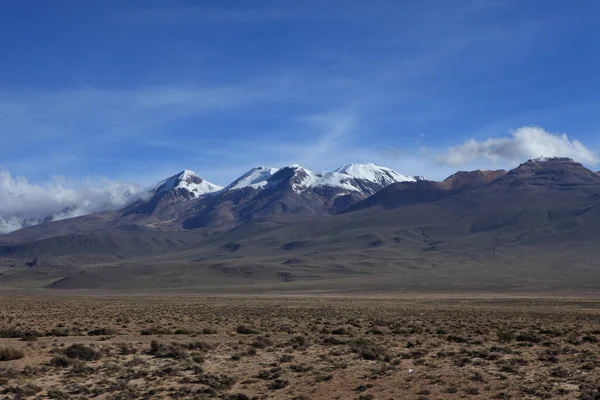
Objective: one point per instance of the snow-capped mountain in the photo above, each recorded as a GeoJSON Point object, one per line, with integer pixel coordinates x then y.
{"type": "Point", "coordinates": [374, 173]}
{"type": "Point", "coordinates": [259, 193]}
{"type": "Point", "coordinates": [266, 193]}
{"type": "Point", "coordinates": [362, 178]}
{"type": "Point", "coordinates": [256, 178]}
{"type": "Point", "coordinates": [179, 188]}
{"type": "Point", "coordinates": [186, 184]}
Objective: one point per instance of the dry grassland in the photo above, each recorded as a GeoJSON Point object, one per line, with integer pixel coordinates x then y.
{"type": "Point", "coordinates": [298, 348]}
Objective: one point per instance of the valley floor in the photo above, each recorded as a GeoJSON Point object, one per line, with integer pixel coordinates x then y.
{"type": "Point", "coordinates": [102, 347]}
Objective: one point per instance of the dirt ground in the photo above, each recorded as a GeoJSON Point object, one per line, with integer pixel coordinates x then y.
{"type": "Point", "coordinates": [98, 347]}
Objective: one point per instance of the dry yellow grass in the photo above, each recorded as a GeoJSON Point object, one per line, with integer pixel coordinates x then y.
{"type": "Point", "coordinates": [299, 348]}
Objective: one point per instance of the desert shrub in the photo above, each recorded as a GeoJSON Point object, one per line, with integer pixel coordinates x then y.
{"type": "Point", "coordinates": [197, 358]}
{"type": "Point", "coordinates": [218, 382]}
{"type": "Point", "coordinates": [269, 374]}
{"type": "Point", "coordinates": [57, 394]}
{"type": "Point", "coordinates": [125, 349]}
{"type": "Point", "coordinates": [506, 336]}
{"type": "Point", "coordinates": [286, 358]}
{"type": "Point", "coordinates": [278, 384]}
{"type": "Point", "coordinates": [332, 341]}
{"type": "Point", "coordinates": [103, 332]}
{"type": "Point", "coordinates": [30, 371]}
{"type": "Point", "coordinates": [183, 331]}
{"type": "Point", "coordinates": [559, 372]}
{"type": "Point", "coordinates": [456, 339]}
{"type": "Point", "coordinates": [10, 333]}
{"type": "Point", "coordinates": [589, 339]}
{"type": "Point", "coordinates": [477, 377]}
{"type": "Point", "coordinates": [58, 332]}
{"type": "Point", "coordinates": [299, 342]}
{"type": "Point", "coordinates": [154, 330]}
{"type": "Point", "coordinates": [367, 349]}
{"type": "Point", "coordinates": [82, 352]}
{"type": "Point", "coordinates": [61, 361]}
{"type": "Point", "coordinates": [237, 396]}
{"type": "Point", "coordinates": [203, 346]}
{"type": "Point", "coordinates": [246, 330]}
{"type": "Point", "coordinates": [590, 393]}
{"type": "Point", "coordinates": [527, 337]}
{"type": "Point", "coordinates": [162, 350]}
{"type": "Point", "coordinates": [299, 368]}
{"type": "Point", "coordinates": [30, 337]}
{"type": "Point", "coordinates": [10, 353]}
{"type": "Point", "coordinates": [550, 356]}
{"type": "Point", "coordinates": [26, 390]}
{"type": "Point", "coordinates": [261, 342]}
{"type": "Point", "coordinates": [324, 378]}
{"type": "Point", "coordinates": [340, 331]}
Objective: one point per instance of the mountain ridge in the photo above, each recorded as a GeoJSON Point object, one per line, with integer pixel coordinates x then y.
{"type": "Point", "coordinates": [534, 227]}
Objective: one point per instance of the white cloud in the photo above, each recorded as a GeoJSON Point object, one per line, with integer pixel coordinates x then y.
{"type": "Point", "coordinates": [524, 143]}
{"type": "Point", "coordinates": [23, 203]}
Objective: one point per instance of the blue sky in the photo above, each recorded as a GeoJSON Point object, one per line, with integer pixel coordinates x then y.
{"type": "Point", "coordinates": [139, 90]}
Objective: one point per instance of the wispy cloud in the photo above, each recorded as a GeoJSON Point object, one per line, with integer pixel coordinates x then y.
{"type": "Point", "coordinates": [524, 143]}
{"type": "Point", "coordinates": [333, 131]}
{"type": "Point", "coordinates": [51, 131]}
{"type": "Point", "coordinates": [200, 14]}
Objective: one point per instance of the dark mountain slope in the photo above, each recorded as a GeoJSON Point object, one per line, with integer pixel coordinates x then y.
{"type": "Point", "coordinates": [404, 193]}
{"type": "Point", "coordinates": [466, 180]}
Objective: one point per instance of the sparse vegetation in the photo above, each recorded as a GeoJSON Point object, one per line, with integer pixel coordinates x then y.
{"type": "Point", "coordinates": [10, 353]}
{"type": "Point", "coordinates": [82, 352]}
{"type": "Point", "coordinates": [300, 349]}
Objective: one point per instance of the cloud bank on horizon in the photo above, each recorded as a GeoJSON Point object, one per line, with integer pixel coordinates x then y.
{"type": "Point", "coordinates": [24, 204]}
{"type": "Point", "coordinates": [524, 143]}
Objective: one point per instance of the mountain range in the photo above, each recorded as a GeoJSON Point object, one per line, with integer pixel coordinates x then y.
{"type": "Point", "coordinates": [359, 228]}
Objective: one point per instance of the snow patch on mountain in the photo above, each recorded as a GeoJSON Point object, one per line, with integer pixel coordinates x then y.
{"type": "Point", "coordinates": [256, 178]}
{"type": "Point", "coordinates": [374, 173]}
{"type": "Point", "coordinates": [308, 179]}
{"type": "Point", "coordinates": [364, 178]}
{"type": "Point", "coordinates": [186, 180]}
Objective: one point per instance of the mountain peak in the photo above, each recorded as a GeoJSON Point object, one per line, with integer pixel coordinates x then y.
{"type": "Point", "coordinates": [255, 178]}
{"type": "Point", "coordinates": [374, 173]}
{"type": "Point", "coordinates": [353, 169]}
{"type": "Point", "coordinates": [544, 159]}
{"type": "Point", "coordinates": [553, 170]}
{"type": "Point", "coordinates": [550, 163]}
{"type": "Point", "coordinates": [187, 181]}
{"type": "Point", "coordinates": [186, 173]}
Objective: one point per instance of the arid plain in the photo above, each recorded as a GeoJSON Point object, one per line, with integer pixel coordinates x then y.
{"type": "Point", "coordinates": [160, 347]}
